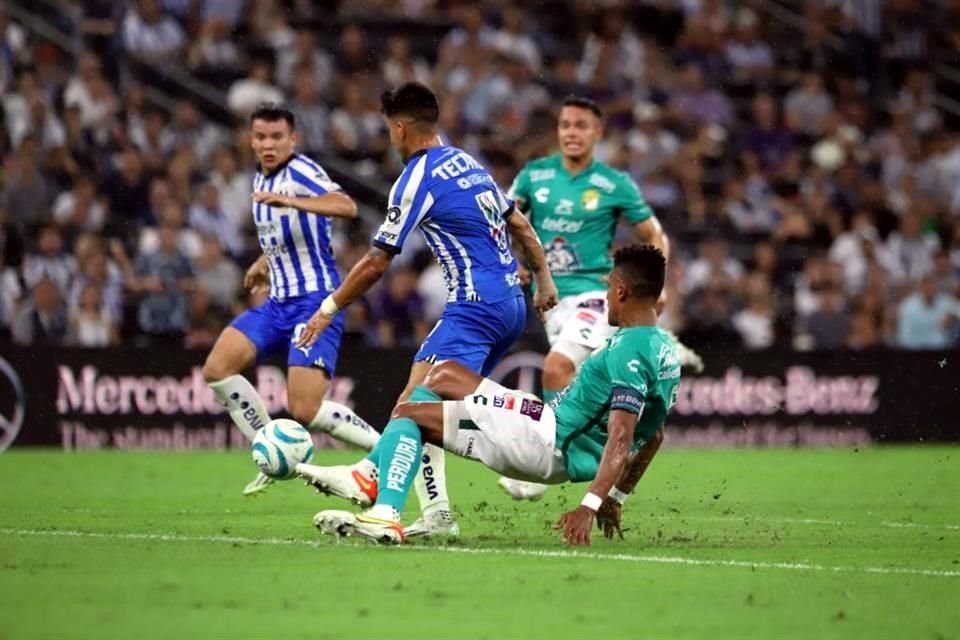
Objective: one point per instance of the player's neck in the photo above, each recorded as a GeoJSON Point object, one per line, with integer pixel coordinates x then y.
{"type": "Point", "coordinates": [637, 315]}
{"type": "Point", "coordinates": [576, 165]}
{"type": "Point", "coordinates": [427, 142]}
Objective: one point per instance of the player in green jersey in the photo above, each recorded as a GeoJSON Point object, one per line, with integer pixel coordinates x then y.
{"type": "Point", "coordinates": [574, 203]}
{"type": "Point", "coordinates": [604, 428]}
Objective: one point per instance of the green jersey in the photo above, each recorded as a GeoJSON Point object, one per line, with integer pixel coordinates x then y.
{"type": "Point", "coordinates": [637, 371]}
{"type": "Point", "coordinates": [576, 217]}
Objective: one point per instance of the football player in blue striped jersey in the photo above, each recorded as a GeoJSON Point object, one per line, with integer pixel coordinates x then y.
{"type": "Point", "coordinates": [469, 225]}
{"type": "Point", "coordinates": [293, 201]}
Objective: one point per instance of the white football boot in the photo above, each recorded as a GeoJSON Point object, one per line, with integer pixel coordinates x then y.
{"type": "Point", "coordinates": [522, 490]}
{"type": "Point", "coordinates": [257, 485]}
{"type": "Point", "coordinates": [439, 524]}
{"type": "Point", "coordinates": [345, 481]}
{"type": "Point", "coordinates": [380, 524]}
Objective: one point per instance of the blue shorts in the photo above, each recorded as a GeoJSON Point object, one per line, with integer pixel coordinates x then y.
{"type": "Point", "coordinates": [276, 324]}
{"type": "Point", "coordinates": [475, 334]}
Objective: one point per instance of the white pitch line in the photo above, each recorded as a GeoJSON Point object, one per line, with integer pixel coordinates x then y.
{"type": "Point", "coordinates": [534, 553]}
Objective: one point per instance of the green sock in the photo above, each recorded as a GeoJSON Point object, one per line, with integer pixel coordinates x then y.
{"type": "Point", "coordinates": [401, 445]}
{"type": "Point", "coordinates": [420, 394]}
{"type": "Point", "coordinates": [549, 395]}
{"type": "Point", "coordinates": [401, 439]}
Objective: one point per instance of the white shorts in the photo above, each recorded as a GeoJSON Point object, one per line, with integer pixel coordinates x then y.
{"type": "Point", "coordinates": [578, 325]}
{"type": "Point", "coordinates": [512, 432]}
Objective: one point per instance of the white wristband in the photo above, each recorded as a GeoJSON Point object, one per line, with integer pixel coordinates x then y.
{"type": "Point", "coordinates": [615, 494]}
{"type": "Point", "coordinates": [328, 307]}
{"type": "Point", "coordinates": [592, 501]}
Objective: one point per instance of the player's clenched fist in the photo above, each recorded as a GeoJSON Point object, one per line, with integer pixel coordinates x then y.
{"type": "Point", "coordinates": [545, 298]}
{"type": "Point", "coordinates": [318, 322]}
{"type": "Point", "coordinates": [575, 526]}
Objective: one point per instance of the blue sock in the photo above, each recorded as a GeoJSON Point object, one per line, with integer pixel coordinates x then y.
{"type": "Point", "coordinates": [549, 395]}
{"type": "Point", "coordinates": [401, 445]}
{"type": "Point", "coordinates": [420, 394]}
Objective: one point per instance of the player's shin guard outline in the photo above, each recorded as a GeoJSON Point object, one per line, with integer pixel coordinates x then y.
{"type": "Point", "coordinates": [242, 401]}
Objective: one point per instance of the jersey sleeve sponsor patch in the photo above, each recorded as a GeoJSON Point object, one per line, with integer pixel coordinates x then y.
{"type": "Point", "coordinates": [626, 399]}
{"type": "Point", "coordinates": [410, 201]}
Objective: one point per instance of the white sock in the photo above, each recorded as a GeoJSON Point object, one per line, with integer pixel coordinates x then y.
{"type": "Point", "coordinates": [243, 402]}
{"type": "Point", "coordinates": [431, 482]}
{"type": "Point", "coordinates": [344, 425]}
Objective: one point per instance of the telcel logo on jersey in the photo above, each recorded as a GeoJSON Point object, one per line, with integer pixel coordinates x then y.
{"type": "Point", "coordinates": [559, 225]}
{"type": "Point", "coordinates": [13, 404]}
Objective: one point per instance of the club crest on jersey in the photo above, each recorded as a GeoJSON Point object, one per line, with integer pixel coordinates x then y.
{"type": "Point", "coordinates": [561, 257]}
{"type": "Point", "coordinates": [590, 200]}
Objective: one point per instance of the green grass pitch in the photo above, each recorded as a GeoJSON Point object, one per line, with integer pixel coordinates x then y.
{"type": "Point", "coordinates": [720, 543]}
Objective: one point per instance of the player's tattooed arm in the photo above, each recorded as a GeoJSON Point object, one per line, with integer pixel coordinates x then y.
{"type": "Point", "coordinates": [335, 204]}
{"type": "Point", "coordinates": [650, 231]}
{"type": "Point", "coordinates": [638, 463]}
{"type": "Point", "coordinates": [364, 275]}
{"type": "Point", "coordinates": [522, 232]}
{"type": "Point", "coordinates": [577, 524]}
{"type": "Point", "coordinates": [608, 516]}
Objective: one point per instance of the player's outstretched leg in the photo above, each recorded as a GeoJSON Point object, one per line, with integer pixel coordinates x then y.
{"type": "Point", "coordinates": [399, 453]}
{"type": "Point", "coordinates": [232, 353]}
{"type": "Point", "coordinates": [306, 389]}
{"type": "Point", "coordinates": [453, 381]}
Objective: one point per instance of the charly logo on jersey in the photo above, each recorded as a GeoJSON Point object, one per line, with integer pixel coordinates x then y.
{"type": "Point", "coordinates": [590, 200]}
{"type": "Point", "coordinates": [541, 195]}
{"type": "Point", "coordinates": [13, 404]}
{"type": "Point", "coordinates": [561, 256]}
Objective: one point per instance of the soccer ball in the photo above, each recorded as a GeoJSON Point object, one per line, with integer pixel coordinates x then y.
{"type": "Point", "coordinates": [280, 446]}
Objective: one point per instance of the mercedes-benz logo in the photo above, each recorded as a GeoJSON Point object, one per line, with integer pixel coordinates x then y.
{"type": "Point", "coordinates": [13, 404]}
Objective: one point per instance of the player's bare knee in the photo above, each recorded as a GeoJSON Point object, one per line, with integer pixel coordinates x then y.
{"type": "Point", "coordinates": [557, 371]}
{"type": "Point", "coordinates": [451, 380]}
{"type": "Point", "coordinates": [443, 377]}
{"type": "Point", "coordinates": [214, 370]}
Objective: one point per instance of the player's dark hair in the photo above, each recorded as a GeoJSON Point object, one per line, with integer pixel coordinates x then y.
{"type": "Point", "coordinates": [582, 102]}
{"type": "Point", "coordinates": [411, 100]}
{"type": "Point", "coordinates": [272, 112]}
{"type": "Point", "coordinates": [644, 269]}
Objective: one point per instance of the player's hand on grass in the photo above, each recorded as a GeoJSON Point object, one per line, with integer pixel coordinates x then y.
{"type": "Point", "coordinates": [318, 322]}
{"type": "Point", "coordinates": [271, 199]}
{"type": "Point", "coordinates": [608, 518]}
{"type": "Point", "coordinates": [575, 526]}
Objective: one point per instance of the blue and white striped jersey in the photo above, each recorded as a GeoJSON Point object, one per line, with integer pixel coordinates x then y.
{"type": "Point", "coordinates": [462, 214]}
{"type": "Point", "coordinates": [296, 243]}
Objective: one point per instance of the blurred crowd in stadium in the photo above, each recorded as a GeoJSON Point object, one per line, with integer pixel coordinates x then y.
{"type": "Point", "coordinates": [810, 179]}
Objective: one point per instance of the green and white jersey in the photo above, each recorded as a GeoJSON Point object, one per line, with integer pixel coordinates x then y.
{"type": "Point", "coordinates": [636, 371]}
{"type": "Point", "coordinates": [576, 217]}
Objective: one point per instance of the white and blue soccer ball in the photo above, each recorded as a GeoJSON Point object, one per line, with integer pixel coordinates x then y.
{"type": "Point", "coordinates": [279, 446]}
